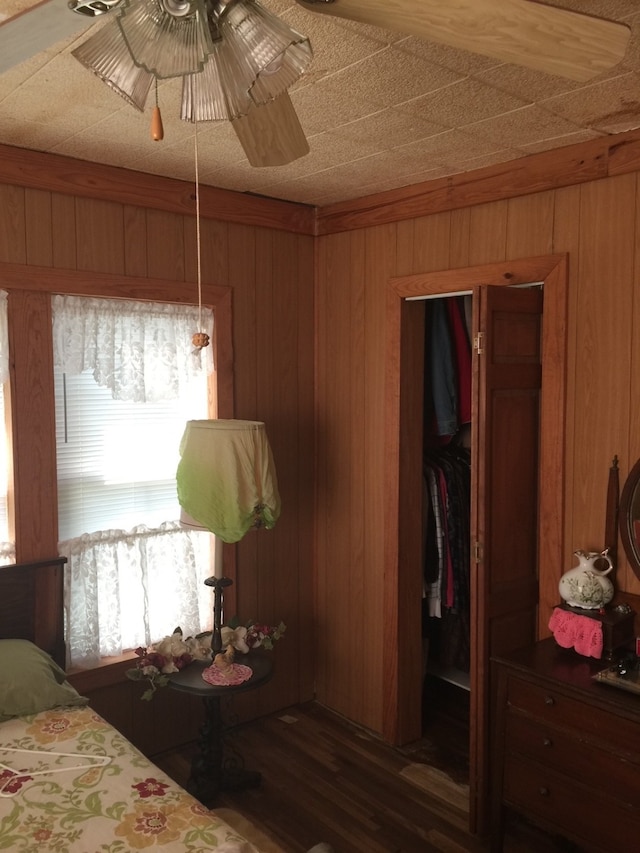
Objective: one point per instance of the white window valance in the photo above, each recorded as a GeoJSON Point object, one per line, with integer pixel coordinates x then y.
{"type": "Point", "coordinates": [136, 359]}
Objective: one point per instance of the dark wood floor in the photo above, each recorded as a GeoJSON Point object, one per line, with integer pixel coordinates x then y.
{"type": "Point", "coordinates": [325, 780]}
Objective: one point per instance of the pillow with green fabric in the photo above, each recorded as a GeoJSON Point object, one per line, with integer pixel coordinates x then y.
{"type": "Point", "coordinates": [31, 681]}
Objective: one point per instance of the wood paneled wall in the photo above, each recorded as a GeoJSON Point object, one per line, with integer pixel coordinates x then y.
{"type": "Point", "coordinates": [594, 220]}
{"type": "Point", "coordinates": [71, 234]}
{"type": "Point", "coordinates": [69, 225]}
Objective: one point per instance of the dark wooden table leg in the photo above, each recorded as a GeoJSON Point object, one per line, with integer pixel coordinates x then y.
{"type": "Point", "coordinates": [210, 771]}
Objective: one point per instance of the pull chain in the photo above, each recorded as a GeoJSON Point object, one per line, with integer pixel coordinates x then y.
{"type": "Point", "coordinates": [200, 339]}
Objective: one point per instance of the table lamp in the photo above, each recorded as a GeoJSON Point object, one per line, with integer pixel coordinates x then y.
{"type": "Point", "coordinates": [226, 481]}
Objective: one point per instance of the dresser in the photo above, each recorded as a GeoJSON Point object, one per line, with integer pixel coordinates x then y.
{"type": "Point", "coordinates": [565, 750]}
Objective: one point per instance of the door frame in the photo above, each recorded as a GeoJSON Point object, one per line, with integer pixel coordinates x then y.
{"type": "Point", "coordinates": [402, 666]}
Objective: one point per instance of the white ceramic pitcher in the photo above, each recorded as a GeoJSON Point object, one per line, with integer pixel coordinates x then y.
{"type": "Point", "coordinates": [585, 585]}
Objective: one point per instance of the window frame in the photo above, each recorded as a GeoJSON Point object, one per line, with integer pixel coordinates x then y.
{"type": "Point", "coordinates": [31, 409]}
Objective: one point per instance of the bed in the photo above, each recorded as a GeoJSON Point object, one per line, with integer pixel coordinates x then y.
{"type": "Point", "coordinates": [69, 781]}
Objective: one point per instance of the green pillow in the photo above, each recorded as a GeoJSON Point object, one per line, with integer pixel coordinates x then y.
{"type": "Point", "coordinates": [31, 681]}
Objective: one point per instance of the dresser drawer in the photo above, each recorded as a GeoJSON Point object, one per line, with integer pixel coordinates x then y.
{"type": "Point", "coordinates": [571, 808]}
{"type": "Point", "coordinates": [590, 724]}
{"type": "Point", "coordinates": [558, 749]}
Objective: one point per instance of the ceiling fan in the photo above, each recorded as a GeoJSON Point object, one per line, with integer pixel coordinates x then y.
{"type": "Point", "coordinates": [523, 32]}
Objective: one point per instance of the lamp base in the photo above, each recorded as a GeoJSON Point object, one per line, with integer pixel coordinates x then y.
{"type": "Point", "coordinates": [218, 585]}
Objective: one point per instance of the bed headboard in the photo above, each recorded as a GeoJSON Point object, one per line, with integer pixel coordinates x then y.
{"type": "Point", "coordinates": [31, 604]}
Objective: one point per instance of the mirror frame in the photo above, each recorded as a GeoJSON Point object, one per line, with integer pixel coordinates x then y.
{"type": "Point", "coordinates": [625, 522]}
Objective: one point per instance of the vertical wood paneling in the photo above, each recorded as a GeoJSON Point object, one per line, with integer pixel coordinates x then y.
{"type": "Point", "coordinates": [63, 229]}
{"type": "Point", "coordinates": [32, 426]}
{"type": "Point", "coordinates": [431, 242]}
{"type": "Point", "coordinates": [100, 236]}
{"type": "Point", "coordinates": [566, 238]}
{"type": "Point", "coordinates": [603, 348]}
{"type": "Point", "coordinates": [405, 242]}
{"type": "Point", "coordinates": [625, 577]}
{"type": "Point", "coordinates": [530, 225]}
{"type": "Point", "coordinates": [357, 579]}
{"type": "Point", "coordinates": [281, 410]}
{"type": "Point", "coordinates": [305, 557]}
{"type": "Point", "coordinates": [334, 504]}
{"type": "Point", "coordinates": [322, 371]}
{"type": "Point", "coordinates": [135, 243]}
{"type": "Point", "coordinates": [552, 437]}
{"type": "Point", "coordinates": [487, 233]}
{"type": "Point", "coordinates": [38, 228]}
{"type": "Point", "coordinates": [12, 225]}
{"type": "Point", "coordinates": [340, 500]}
{"type": "Point", "coordinates": [165, 244]}
{"type": "Point", "coordinates": [214, 251]}
{"type": "Point", "coordinates": [381, 260]}
{"type": "Point", "coordinates": [242, 276]}
{"type": "Point", "coordinates": [459, 245]}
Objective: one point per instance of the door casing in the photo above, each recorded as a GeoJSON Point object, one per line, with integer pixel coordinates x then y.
{"type": "Point", "coordinates": [402, 667]}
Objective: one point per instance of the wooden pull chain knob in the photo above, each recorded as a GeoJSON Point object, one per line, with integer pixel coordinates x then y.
{"type": "Point", "coordinates": [157, 130]}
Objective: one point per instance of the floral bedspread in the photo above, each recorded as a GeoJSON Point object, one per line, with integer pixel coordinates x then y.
{"type": "Point", "coordinates": [71, 783]}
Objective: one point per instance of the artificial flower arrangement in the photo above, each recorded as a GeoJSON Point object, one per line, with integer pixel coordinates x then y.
{"type": "Point", "coordinates": [246, 637]}
{"type": "Point", "coordinates": [158, 661]}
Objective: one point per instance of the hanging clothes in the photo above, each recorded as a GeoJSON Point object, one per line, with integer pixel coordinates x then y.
{"type": "Point", "coordinates": [447, 474]}
{"type": "Point", "coordinates": [462, 348]}
{"type": "Point", "coordinates": [447, 481]}
{"type": "Point", "coordinates": [447, 369]}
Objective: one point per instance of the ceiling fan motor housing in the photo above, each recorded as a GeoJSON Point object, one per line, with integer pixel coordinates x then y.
{"type": "Point", "coordinates": [92, 8]}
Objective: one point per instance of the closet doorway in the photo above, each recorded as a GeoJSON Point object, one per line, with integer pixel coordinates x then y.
{"type": "Point", "coordinates": [508, 607]}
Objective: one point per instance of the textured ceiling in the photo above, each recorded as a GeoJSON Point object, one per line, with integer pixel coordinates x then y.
{"type": "Point", "coordinates": [380, 110]}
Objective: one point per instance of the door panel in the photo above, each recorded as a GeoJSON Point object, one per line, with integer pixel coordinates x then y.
{"type": "Point", "coordinates": [504, 504]}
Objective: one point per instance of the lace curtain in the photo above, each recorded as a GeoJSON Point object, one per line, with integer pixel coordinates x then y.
{"type": "Point", "coordinates": [141, 351]}
{"type": "Point", "coordinates": [125, 589]}
{"type": "Point", "coordinates": [7, 549]}
{"type": "Point", "coordinates": [128, 589]}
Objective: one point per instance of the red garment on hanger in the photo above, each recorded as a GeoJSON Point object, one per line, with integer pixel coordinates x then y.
{"type": "Point", "coordinates": [462, 349]}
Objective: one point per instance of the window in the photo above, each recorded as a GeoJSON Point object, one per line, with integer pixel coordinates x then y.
{"type": "Point", "coordinates": [126, 381]}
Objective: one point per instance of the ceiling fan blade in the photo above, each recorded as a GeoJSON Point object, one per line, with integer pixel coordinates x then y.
{"type": "Point", "coordinates": [546, 38]}
{"type": "Point", "coordinates": [271, 134]}
{"type": "Point", "coordinates": [37, 28]}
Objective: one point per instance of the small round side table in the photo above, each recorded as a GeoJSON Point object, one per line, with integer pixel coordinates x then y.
{"type": "Point", "coordinates": [209, 775]}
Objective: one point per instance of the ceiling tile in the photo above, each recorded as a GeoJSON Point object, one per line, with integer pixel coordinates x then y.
{"type": "Point", "coordinates": [464, 102]}
{"type": "Point", "coordinates": [381, 108]}
{"type": "Point", "coordinates": [527, 124]}
{"type": "Point", "coordinates": [389, 128]}
{"type": "Point", "coordinates": [612, 106]}
{"type": "Point", "coordinates": [390, 77]}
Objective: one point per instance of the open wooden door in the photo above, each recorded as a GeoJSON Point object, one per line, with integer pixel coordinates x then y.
{"type": "Point", "coordinates": [504, 504]}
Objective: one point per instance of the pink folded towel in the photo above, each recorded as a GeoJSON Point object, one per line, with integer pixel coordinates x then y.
{"type": "Point", "coordinates": [582, 633]}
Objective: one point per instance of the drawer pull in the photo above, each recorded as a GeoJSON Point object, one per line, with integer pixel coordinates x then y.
{"type": "Point", "coordinates": [549, 700]}
{"type": "Point", "coordinates": [547, 742]}
{"type": "Point", "coordinates": [544, 792]}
